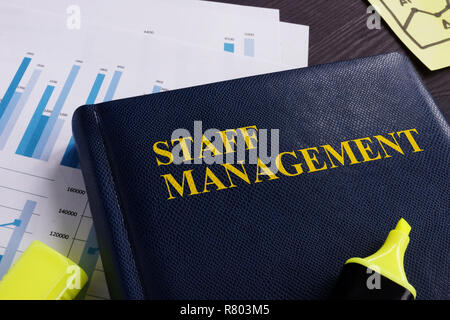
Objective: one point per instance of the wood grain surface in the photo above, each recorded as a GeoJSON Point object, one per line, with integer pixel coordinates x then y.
{"type": "Point", "coordinates": [338, 31]}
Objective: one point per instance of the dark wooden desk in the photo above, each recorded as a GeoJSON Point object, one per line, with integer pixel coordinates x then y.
{"type": "Point", "coordinates": [338, 31]}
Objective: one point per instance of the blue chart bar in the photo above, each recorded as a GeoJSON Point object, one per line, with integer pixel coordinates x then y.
{"type": "Point", "coordinates": [249, 47]}
{"type": "Point", "coordinates": [36, 126]}
{"type": "Point", "coordinates": [228, 47]}
{"type": "Point", "coordinates": [156, 89]}
{"type": "Point", "coordinates": [9, 110]}
{"type": "Point", "coordinates": [11, 115]}
{"type": "Point", "coordinates": [52, 139]}
{"type": "Point", "coordinates": [96, 88]}
{"type": "Point", "coordinates": [52, 121]}
{"type": "Point", "coordinates": [70, 158]}
{"type": "Point", "coordinates": [89, 259]}
{"type": "Point", "coordinates": [13, 85]}
{"type": "Point", "coordinates": [113, 85]}
{"type": "Point", "coordinates": [16, 237]}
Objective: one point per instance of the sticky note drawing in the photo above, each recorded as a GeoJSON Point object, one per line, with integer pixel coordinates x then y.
{"type": "Point", "coordinates": [426, 23]}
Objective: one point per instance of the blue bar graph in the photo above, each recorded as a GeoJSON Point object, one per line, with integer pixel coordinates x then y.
{"type": "Point", "coordinates": [52, 140]}
{"type": "Point", "coordinates": [228, 47]}
{"type": "Point", "coordinates": [70, 158]}
{"type": "Point", "coordinates": [89, 259]}
{"type": "Point", "coordinates": [156, 89]}
{"type": "Point", "coordinates": [113, 85]}
{"type": "Point", "coordinates": [36, 136]}
{"type": "Point", "coordinates": [11, 115]}
{"type": "Point", "coordinates": [9, 110]}
{"type": "Point", "coordinates": [36, 126]}
{"type": "Point", "coordinates": [14, 84]}
{"type": "Point", "coordinates": [96, 88]}
{"type": "Point", "coordinates": [52, 121]}
{"type": "Point", "coordinates": [249, 47]}
{"type": "Point", "coordinates": [16, 237]}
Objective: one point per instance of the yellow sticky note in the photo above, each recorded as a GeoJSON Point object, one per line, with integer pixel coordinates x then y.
{"type": "Point", "coordinates": [423, 25]}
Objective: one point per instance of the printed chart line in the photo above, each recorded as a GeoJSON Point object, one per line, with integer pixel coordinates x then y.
{"type": "Point", "coordinates": [27, 174]}
{"type": "Point", "coordinates": [26, 192]}
{"type": "Point", "coordinates": [7, 258]}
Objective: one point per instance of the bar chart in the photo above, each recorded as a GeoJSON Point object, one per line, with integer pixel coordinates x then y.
{"type": "Point", "coordinates": [36, 126]}
{"type": "Point", "coordinates": [20, 226]}
{"type": "Point", "coordinates": [113, 85]}
{"type": "Point", "coordinates": [249, 45]}
{"type": "Point", "coordinates": [53, 125]}
{"type": "Point", "coordinates": [15, 99]}
{"type": "Point", "coordinates": [43, 130]}
{"type": "Point", "coordinates": [70, 158]}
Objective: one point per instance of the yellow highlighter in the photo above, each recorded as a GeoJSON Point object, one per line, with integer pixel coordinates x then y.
{"type": "Point", "coordinates": [41, 273]}
{"type": "Point", "coordinates": [380, 276]}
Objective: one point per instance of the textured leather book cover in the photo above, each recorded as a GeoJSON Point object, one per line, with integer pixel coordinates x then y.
{"type": "Point", "coordinates": [361, 144]}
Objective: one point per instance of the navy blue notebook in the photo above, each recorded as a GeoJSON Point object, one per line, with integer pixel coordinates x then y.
{"type": "Point", "coordinates": [361, 144]}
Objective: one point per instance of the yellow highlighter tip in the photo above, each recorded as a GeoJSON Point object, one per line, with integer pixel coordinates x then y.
{"type": "Point", "coordinates": [403, 226]}
{"type": "Point", "coordinates": [387, 263]}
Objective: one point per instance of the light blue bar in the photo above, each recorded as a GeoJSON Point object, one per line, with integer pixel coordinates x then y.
{"type": "Point", "coordinates": [34, 120]}
{"type": "Point", "coordinates": [249, 47]}
{"type": "Point", "coordinates": [70, 158]}
{"type": "Point", "coordinates": [6, 126]}
{"type": "Point", "coordinates": [29, 150]}
{"type": "Point", "coordinates": [89, 258]}
{"type": "Point", "coordinates": [113, 86]}
{"type": "Point", "coordinates": [52, 140]}
{"type": "Point", "coordinates": [55, 113]}
{"type": "Point", "coordinates": [156, 89]}
{"type": "Point", "coordinates": [16, 238]}
{"type": "Point", "coordinates": [228, 47]}
{"type": "Point", "coordinates": [95, 88]}
{"type": "Point", "coordinates": [13, 85]}
{"type": "Point", "coordinates": [9, 110]}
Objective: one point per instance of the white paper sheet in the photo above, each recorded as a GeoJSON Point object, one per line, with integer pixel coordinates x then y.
{"type": "Point", "coordinates": [250, 31]}
{"type": "Point", "coordinates": [240, 29]}
{"type": "Point", "coordinates": [294, 44]}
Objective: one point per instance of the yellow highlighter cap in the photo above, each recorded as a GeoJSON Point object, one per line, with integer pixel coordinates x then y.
{"type": "Point", "coordinates": [388, 260]}
{"type": "Point", "coordinates": [41, 273]}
